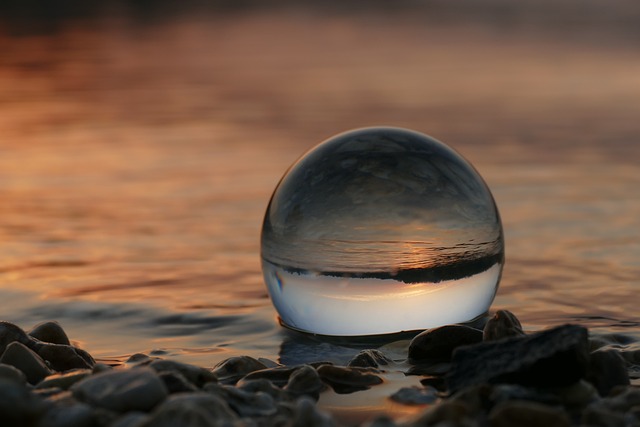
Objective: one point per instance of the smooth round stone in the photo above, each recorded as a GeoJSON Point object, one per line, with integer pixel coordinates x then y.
{"type": "Point", "coordinates": [50, 332]}
{"type": "Point", "coordinates": [381, 230]}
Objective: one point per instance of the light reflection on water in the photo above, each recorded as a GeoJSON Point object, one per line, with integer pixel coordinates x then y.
{"type": "Point", "coordinates": [135, 167]}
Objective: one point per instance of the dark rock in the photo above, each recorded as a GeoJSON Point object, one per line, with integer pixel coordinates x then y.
{"type": "Point", "coordinates": [65, 357]}
{"type": "Point", "coordinates": [50, 332]}
{"type": "Point", "coordinates": [11, 333]}
{"type": "Point", "coordinates": [19, 407]}
{"type": "Point", "coordinates": [429, 368]}
{"type": "Point", "coordinates": [305, 381]}
{"type": "Point", "coordinates": [347, 380]}
{"type": "Point", "coordinates": [552, 358]}
{"type": "Point", "coordinates": [138, 359]}
{"type": "Point", "coordinates": [70, 414]}
{"type": "Point", "coordinates": [369, 359]}
{"type": "Point", "coordinates": [607, 369]}
{"type": "Point", "coordinates": [138, 389]}
{"type": "Point", "coordinates": [132, 419]}
{"type": "Point", "coordinates": [278, 376]}
{"type": "Point", "coordinates": [11, 373]}
{"type": "Point", "coordinates": [600, 415]}
{"type": "Point", "coordinates": [229, 371]}
{"type": "Point", "coordinates": [501, 393]}
{"type": "Point", "coordinates": [437, 345]}
{"type": "Point", "coordinates": [527, 414]}
{"type": "Point", "coordinates": [415, 395]}
{"type": "Point", "coordinates": [449, 413]}
{"type": "Point", "coordinates": [176, 382]}
{"type": "Point", "coordinates": [306, 414]}
{"type": "Point", "coordinates": [436, 382]}
{"type": "Point", "coordinates": [64, 381]}
{"type": "Point", "coordinates": [23, 358]}
{"type": "Point", "coordinates": [624, 400]}
{"type": "Point", "coordinates": [194, 374]}
{"type": "Point", "coordinates": [381, 421]}
{"type": "Point", "coordinates": [244, 403]}
{"type": "Point", "coordinates": [197, 409]}
{"type": "Point", "coordinates": [577, 396]}
{"type": "Point", "coordinates": [265, 386]}
{"type": "Point", "coordinates": [503, 324]}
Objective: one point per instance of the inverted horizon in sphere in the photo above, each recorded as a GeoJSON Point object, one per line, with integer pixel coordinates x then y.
{"type": "Point", "coordinates": [385, 204]}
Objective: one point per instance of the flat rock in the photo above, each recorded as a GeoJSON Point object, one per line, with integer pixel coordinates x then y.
{"type": "Point", "coordinates": [607, 369]}
{"type": "Point", "coordinates": [25, 359]}
{"type": "Point", "coordinates": [503, 324]}
{"type": "Point", "coordinates": [50, 332]}
{"type": "Point", "coordinates": [527, 414]}
{"type": "Point", "coordinates": [437, 345]}
{"type": "Point", "coordinates": [551, 358]}
{"type": "Point", "coordinates": [122, 390]}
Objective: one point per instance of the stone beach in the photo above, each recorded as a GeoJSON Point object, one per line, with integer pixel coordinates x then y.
{"type": "Point", "coordinates": [494, 377]}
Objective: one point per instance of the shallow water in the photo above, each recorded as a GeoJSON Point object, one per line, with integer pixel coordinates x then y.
{"type": "Point", "coordinates": [136, 164]}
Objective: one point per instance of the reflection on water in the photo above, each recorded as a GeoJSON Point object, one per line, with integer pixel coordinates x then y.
{"type": "Point", "coordinates": [136, 164]}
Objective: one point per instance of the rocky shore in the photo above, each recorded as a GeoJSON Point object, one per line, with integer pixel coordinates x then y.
{"type": "Point", "coordinates": [495, 377]}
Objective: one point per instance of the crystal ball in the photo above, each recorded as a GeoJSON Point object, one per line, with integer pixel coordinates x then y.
{"type": "Point", "coordinates": [378, 231]}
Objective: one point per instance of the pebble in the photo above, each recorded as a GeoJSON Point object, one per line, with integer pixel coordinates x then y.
{"type": "Point", "coordinates": [176, 382]}
{"type": "Point", "coordinates": [131, 419]}
{"type": "Point", "coordinates": [65, 380]}
{"type": "Point", "coordinates": [278, 376]}
{"type": "Point", "coordinates": [527, 414]}
{"type": "Point", "coordinates": [437, 345]}
{"type": "Point", "coordinates": [551, 358]}
{"type": "Point", "coordinates": [194, 374]}
{"type": "Point", "coordinates": [415, 395]}
{"type": "Point", "coordinates": [265, 386]}
{"type": "Point", "coordinates": [305, 381]}
{"type": "Point", "coordinates": [192, 410]}
{"type": "Point", "coordinates": [10, 333]}
{"type": "Point", "coordinates": [65, 357]}
{"type": "Point", "coordinates": [369, 359]}
{"type": "Point", "coordinates": [244, 403]}
{"type": "Point", "coordinates": [307, 414]}
{"type": "Point", "coordinates": [347, 380]}
{"type": "Point", "coordinates": [11, 373]}
{"type": "Point", "coordinates": [607, 369]}
{"type": "Point", "coordinates": [19, 407]}
{"type": "Point", "coordinates": [447, 413]}
{"type": "Point", "coordinates": [503, 324]}
{"type": "Point", "coordinates": [50, 332]}
{"type": "Point", "coordinates": [20, 356]}
{"type": "Point", "coordinates": [229, 371]}
{"type": "Point", "coordinates": [70, 414]}
{"type": "Point", "coordinates": [122, 390]}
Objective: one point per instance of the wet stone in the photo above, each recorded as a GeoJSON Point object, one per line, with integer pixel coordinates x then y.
{"type": "Point", "coordinates": [370, 359]}
{"type": "Point", "coordinates": [437, 345]}
{"type": "Point", "coordinates": [229, 371]}
{"type": "Point", "coordinates": [194, 374]}
{"type": "Point", "coordinates": [138, 359]}
{"type": "Point", "coordinates": [265, 386]}
{"type": "Point", "coordinates": [607, 369]}
{"type": "Point", "coordinates": [23, 358]}
{"type": "Point", "coordinates": [122, 390]}
{"type": "Point", "coordinates": [50, 332]}
{"type": "Point", "coordinates": [306, 414]}
{"type": "Point", "coordinates": [11, 333]}
{"type": "Point", "coordinates": [278, 376]}
{"type": "Point", "coordinates": [551, 358]}
{"type": "Point", "coordinates": [70, 414]}
{"type": "Point", "coordinates": [64, 381]}
{"type": "Point", "coordinates": [130, 419]}
{"type": "Point", "coordinates": [527, 414]}
{"type": "Point", "coordinates": [347, 380]}
{"type": "Point", "coordinates": [503, 324]}
{"type": "Point", "coordinates": [305, 381]}
{"type": "Point", "coordinates": [65, 357]}
{"type": "Point", "coordinates": [415, 395]}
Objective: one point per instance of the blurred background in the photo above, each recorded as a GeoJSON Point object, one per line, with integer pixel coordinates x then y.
{"type": "Point", "coordinates": [140, 142]}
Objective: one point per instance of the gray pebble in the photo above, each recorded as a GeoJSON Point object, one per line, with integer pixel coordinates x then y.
{"type": "Point", "coordinates": [11, 333]}
{"type": "Point", "coordinates": [265, 386]}
{"type": "Point", "coordinates": [278, 376]}
{"type": "Point", "coordinates": [229, 371]}
{"type": "Point", "coordinates": [25, 359]}
{"type": "Point", "coordinates": [19, 407]}
{"type": "Point", "coordinates": [244, 403]}
{"type": "Point", "coordinates": [307, 414]}
{"type": "Point", "coordinates": [50, 332]}
{"type": "Point", "coordinates": [194, 374]}
{"type": "Point", "coordinates": [415, 395]}
{"type": "Point", "coordinates": [503, 324]}
{"type": "Point", "coordinates": [69, 414]}
{"type": "Point", "coordinates": [176, 382]}
{"type": "Point", "coordinates": [122, 390]}
{"type": "Point", "coordinates": [527, 414]}
{"type": "Point", "coordinates": [65, 357]}
{"type": "Point", "coordinates": [437, 345]}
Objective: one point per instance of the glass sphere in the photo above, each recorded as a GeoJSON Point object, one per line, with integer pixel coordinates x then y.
{"type": "Point", "coordinates": [381, 230]}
